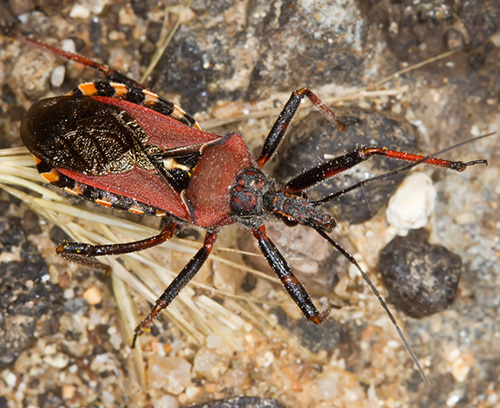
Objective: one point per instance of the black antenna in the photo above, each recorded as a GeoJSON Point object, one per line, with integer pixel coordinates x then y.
{"type": "Point", "coordinates": [353, 261]}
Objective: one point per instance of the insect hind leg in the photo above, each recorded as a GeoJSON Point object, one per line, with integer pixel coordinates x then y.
{"type": "Point", "coordinates": [111, 74]}
{"type": "Point", "coordinates": [84, 253]}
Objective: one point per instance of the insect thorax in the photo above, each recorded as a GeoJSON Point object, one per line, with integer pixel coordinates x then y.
{"type": "Point", "coordinates": [247, 197]}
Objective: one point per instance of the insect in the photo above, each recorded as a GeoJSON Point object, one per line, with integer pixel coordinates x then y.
{"type": "Point", "coordinates": [119, 144]}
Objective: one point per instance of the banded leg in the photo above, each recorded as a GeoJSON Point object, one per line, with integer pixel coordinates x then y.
{"type": "Point", "coordinates": [295, 289]}
{"type": "Point", "coordinates": [341, 163]}
{"type": "Point", "coordinates": [110, 73]}
{"type": "Point", "coordinates": [181, 280]}
{"type": "Point", "coordinates": [278, 130]}
{"type": "Point", "coordinates": [117, 85]}
{"type": "Point", "coordinates": [84, 253]}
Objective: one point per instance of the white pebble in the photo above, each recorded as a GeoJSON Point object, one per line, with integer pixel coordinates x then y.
{"type": "Point", "coordinates": [79, 11]}
{"type": "Point", "coordinates": [57, 360]}
{"type": "Point", "coordinates": [169, 373]}
{"type": "Point", "coordinates": [412, 204]}
{"type": "Point", "coordinates": [265, 360]}
{"type": "Point", "coordinates": [167, 401]}
{"type": "Point", "coordinates": [10, 379]}
{"type": "Point", "coordinates": [214, 341]}
{"type": "Point", "coordinates": [69, 294]}
{"type": "Point", "coordinates": [68, 45]}
{"type": "Point", "coordinates": [57, 76]}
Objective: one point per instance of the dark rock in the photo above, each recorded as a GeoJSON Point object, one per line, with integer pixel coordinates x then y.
{"type": "Point", "coordinates": [422, 279]}
{"type": "Point", "coordinates": [314, 136]}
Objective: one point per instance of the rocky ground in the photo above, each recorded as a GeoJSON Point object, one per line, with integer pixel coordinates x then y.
{"type": "Point", "coordinates": [411, 76]}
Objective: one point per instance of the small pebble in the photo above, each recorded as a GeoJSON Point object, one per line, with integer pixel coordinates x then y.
{"type": "Point", "coordinates": [171, 374]}
{"type": "Point", "coordinates": [68, 45]}
{"type": "Point", "coordinates": [57, 360]}
{"type": "Point", "coordinates": [57, 76]}
{"type": "Point", "coordinates": [192, 391]}
{"type": "Point", "coordinates": [234, 378]}
{"type": "Point", "coordinates": [69, 294]}
{"type": "Point", "coordinates": [167, 401]}
{"type": "Point", "coordinates": [93, 296]}
{"type": "Point", "coordinates": [79, 11]}
{"type": "Point", "coordinates": [10, 379]}
{"type": "Point", "coordinates": [412, 204]}
{"type": "Point", "coordinates": [68, 391]}
{"type": "Point", "coordinates": [265, 360]}
{"type": "Point", "coordinates": [209, 365]}
{"type": "Point", "coordinates": [214, 341]}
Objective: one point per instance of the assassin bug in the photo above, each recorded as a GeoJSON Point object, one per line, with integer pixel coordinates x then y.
{"type": "Point", "coordinates": [119, 144]}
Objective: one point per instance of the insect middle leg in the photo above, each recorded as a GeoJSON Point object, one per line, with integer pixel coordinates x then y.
{"type": "Point", "coordinates": [279, 128]}
{"type": "Point", "coordinates": [181, 280]}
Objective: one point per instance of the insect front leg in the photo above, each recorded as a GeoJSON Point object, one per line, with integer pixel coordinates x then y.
{"type": "Point", "coordinates": [181, 280]}
{"type": "Point", "coordinates": [84, 254]}
{"type": "Point", "coordinates": [346, 161]}
{"type": "Point", "coordinates": [279, 128]}
{"type": "Point", "coordinates": [294, 288]}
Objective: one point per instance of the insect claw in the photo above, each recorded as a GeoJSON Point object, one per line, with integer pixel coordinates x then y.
{"type": "Point", "coordinates": [324, 314]}
{"type": "Point", "coordinates": [138, 331]}
{"type": "Point", "coordinates": [472, 163]}
{"type": "Point", "coordinates": [136, 334]}
{"type": "Point", "coordinates": [319, 317]}
{"type": "Point", "coordinates": [461, 166]}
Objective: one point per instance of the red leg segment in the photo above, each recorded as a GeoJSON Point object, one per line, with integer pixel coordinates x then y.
{"type": "Point", "coordinates": [111, 74]}
{"type": "Point", "coordinates": [341, 163]}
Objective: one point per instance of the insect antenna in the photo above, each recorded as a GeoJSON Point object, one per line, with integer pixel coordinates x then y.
{"type": "Point", "coordinates": [403, 169]}
{"type": "Point", "coordinates": [353, 261]}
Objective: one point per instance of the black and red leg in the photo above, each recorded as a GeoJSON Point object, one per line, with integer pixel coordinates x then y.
{"type": "Point", "coordinates": [294, 288]}
{"type": "Point", "coordinates": [131, 91]}
{"type": "Point", "coordinates": [181, 280]}
{"type": "Point", "coordinates": [83, 253]}
{"type": "Point", "coordinates": [279, 128]}
{"type": "Point", "coordinates": [346, 161]}
{"type": "Point", "coordinates": [110, 73]}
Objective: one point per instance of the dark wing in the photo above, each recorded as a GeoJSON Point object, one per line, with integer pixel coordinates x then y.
{"type": "Point", "coordinates": [110, 144]}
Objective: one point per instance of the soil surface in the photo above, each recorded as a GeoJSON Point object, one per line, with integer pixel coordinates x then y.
{"type": "Point", "coordinates": [421, 75]}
